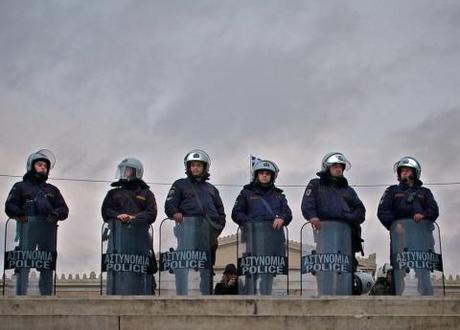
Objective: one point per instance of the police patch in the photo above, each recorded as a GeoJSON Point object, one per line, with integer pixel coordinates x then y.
{"type": "Point", "coordinates": [171, 193]}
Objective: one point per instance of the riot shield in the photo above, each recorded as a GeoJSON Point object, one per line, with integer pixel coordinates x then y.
{"type": "Point", "coordinates": [416, 258]}
{"type": "Point", "coordinates": [30, 257]}
{"type": "Point", "coordinates": [127, 261]}
{"type": "Point", "coordinates": [186, 257]}
{"type": "Point", "coordinates": [326, 259]}
{"type": "Point", "coordinates": [262, 259]}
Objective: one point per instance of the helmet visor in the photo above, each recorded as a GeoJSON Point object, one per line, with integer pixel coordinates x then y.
{"type": "Point", "coordinates": [338, 159]}
{"type": "Point", "coordinates": [406, 162]}
{"type": "Point", "coordinates": [126, 173]}
{"type": "Point", "coordinates": [48, 154]}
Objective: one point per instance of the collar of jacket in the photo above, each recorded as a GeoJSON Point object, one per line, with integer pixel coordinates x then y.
{"type": "Point", "coordinates": [328, 180]}
{"type": "Point", "coordinates": [404, 186]}
{"type": "Point", "coordinates": [256, 188]}
{"type": "Point", "coordinates": [131, 184]}
{"type": "Point", "coordinates": [34, 178]}
{"type": "Point", "coordinates": [198, 179]}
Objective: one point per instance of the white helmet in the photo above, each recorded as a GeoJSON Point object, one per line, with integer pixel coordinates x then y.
{"type": "Point", "coordinates": [265, 165]}
{"type": "Point", "coordinates": [137, 169]}
{"type": "Point", "coordinates": [362, 282]}
{"type": "Point", "coordinates": [382, 271]}
{"type": "Point", "coordinates": [199, 156]}
{"type": "Point", "coordinates": [334, 158]}
{"type": "Point", "coordinates": [43, 154]}
{"type": "Point", "coordinates": [411, 162]}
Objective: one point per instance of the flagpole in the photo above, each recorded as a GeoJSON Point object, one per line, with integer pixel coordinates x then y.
{"type": "Point", "coordinates": [250, 167]}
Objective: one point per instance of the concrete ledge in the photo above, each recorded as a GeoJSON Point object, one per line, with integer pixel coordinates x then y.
{"type": "Point", "coordinates": [229, 313]}
{"type": "Point", "coordinates": [290, 322]}
{"type": "Point", "coordinates": [250, 305]}
{"type": "Point", "coordinates": [229, 322]}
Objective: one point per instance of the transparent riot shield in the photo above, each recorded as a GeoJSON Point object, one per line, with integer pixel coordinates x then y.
{"type": "Point", "coordinates": [326, 259]}
{"type": "Point", "coordinates": [416, 258]}
{"type": "Point", "coordinates": [262, 259]}
{"type": "Point", "coordinates": [186, 257]}
{"type": "Point", "coordinates": [128, 260]}
{"type": "Point", "coordinates": [30, 257]}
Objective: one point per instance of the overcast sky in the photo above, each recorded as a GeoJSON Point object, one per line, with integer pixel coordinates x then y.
{"type": "Point", "coordinates": [96, 81]}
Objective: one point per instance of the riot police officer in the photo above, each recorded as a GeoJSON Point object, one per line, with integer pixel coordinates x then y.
{"type": "Point", "coordinates": [330, 202]}
{"type": "Point", "coordinates": [196, 207]}
{"type": "Point", "coordinates": [408, 199]}
{"type": "Point", "coordinates": [129, 209]}
{"type": "Point", "coordinates": [408, 211]}
{"type": "Point", "coordinates": [261, 210]}
{"type": "Point", "coordinates": [36, 206]}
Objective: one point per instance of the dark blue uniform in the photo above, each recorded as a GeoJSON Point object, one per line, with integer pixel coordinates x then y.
{"type": "Point", "coordinates": [254, 211]}
{"type": "Point", "coordinates": [249, 205]}
{"type": "Point", "coordinates": [401, 202]}
{"type": "Point", "coordinates": [200, 233]}
{"type": "Point", "coordinates": [181, 199]}
{"type": "Point", "coordinates": [133, 198]}
{"type": "Point", "coordinates": [330, 198]}
{"type": "Point", "coordinates": [43, 199]}
{"type": "Point", "coordinates": [41, 205]}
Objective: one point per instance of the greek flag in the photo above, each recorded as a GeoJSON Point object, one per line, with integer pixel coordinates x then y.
{"type": "Point", "coordinates": [253, 160]}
